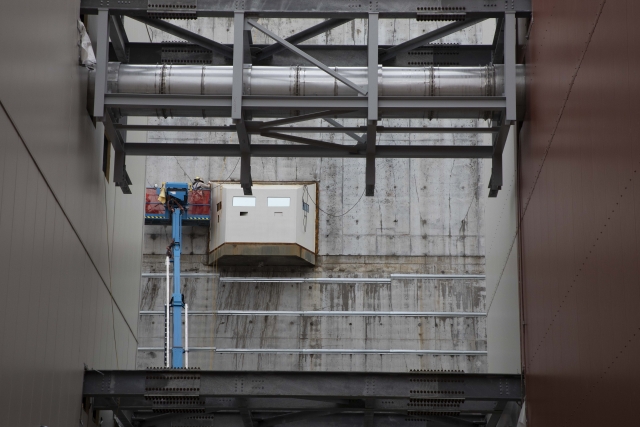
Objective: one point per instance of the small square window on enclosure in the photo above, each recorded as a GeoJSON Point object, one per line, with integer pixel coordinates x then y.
{"type": "Point", "coordinates": [244, 201]}
{"type": "Point", "coordinates": [278, 201]}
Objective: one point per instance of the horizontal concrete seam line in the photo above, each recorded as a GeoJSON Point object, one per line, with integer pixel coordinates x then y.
{"type": "Point", "coordinates": [351, 279]}
{"type": "Point", "coordinates": [310, 313]}
{"type": "Point", "coordinates": [55, 197]}
{"type": "Point", "coordinates": [164, 275]}
{"type": "Point", "coordinates": [326, 351]}
{"type": "Point", "coordinates": [190, 349]}
{"type": "Point", "coordinates": [304, 280]}
{"type": "Point", "coordinates": [438, 276]}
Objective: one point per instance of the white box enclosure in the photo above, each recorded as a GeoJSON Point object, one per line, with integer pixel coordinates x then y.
{"type": "Point", "coordinates": [274, 226]}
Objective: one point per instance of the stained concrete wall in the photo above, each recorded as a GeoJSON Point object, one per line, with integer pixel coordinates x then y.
{"type": "Point", "coordinates": [427, 217]}
{"type": "Point", "coordinates": [70, 257]}
{"type": "Point", "coordinates": [312, 332]}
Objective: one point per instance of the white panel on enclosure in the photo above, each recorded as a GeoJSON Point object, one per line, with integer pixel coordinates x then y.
{"type": "Point", "coordinates": [275, 214]}
{"type": "Point", "coordinates": [278, 201]}
{"type": "Point", "coordinates": [244, 201]}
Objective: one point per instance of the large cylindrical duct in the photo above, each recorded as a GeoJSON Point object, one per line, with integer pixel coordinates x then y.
{"type": "Point", "coordinates": [308, 82]}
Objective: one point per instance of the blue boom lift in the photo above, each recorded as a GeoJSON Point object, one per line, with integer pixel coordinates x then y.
{"type": "Point", "coordinates": [174, 197]}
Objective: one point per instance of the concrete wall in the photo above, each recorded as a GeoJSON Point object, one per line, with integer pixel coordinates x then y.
{"type": "Point", "coordinates": [427, 217]}
{"type": "Point", "coordinates": [422, 206]}
{"type": "Point", "coordinates": [70, 257]}
{"type": "Point", "coordinates": [275, 331]}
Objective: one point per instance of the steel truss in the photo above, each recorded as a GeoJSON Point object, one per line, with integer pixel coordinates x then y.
{"type": "Point", "coordinates": [502, 110]}
{"type": "Point", "coordinates": [263, 399]}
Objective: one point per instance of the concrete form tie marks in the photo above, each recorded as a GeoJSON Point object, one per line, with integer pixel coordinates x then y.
{"type": "Point", "coordinates": [320, 313]}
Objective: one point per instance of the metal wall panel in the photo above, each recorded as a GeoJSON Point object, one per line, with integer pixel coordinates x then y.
{"type": "Point", "coordinates": [580, 204]}
{"type": "Point", "coordinates": [59, 306]}
{"type": "Point", "coordinates": [51, 292]}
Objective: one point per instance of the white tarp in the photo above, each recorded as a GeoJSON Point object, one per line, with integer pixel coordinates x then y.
{"type": "Point", "coordinates": [87, 57]}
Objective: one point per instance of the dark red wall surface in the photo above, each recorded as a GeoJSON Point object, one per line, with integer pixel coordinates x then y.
{"type": "Point", "coordinates": [580, 211]}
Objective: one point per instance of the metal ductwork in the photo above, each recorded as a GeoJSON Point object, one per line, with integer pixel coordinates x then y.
{"type": "Point", "coordinates": [308, 82]}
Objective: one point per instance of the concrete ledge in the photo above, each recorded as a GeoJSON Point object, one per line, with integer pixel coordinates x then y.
{"type": "Point", "coordinates": [261, 254]}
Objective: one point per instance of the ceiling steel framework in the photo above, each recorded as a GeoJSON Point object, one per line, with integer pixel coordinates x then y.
{"type": "Point", "coordinates": [112, 43]}
{"type": "Point", "coordinates": [186, 397]}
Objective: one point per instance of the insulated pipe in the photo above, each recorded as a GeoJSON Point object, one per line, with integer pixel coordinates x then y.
{"type": "Point", "coordinates": [304, 81]}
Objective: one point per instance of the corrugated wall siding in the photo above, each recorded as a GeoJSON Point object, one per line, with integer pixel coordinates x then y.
{"type": "Point", "coordinates": [70, 253]}
{"type": "Point", "coordinates": [580, 208]}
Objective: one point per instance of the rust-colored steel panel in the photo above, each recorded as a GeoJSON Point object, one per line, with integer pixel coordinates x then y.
{"type": "Point", "coordinates": [580, 207]}
{"type": "Point", "coordinates": [558, 35]}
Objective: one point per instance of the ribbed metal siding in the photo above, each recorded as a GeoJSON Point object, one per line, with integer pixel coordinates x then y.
{"type": "Point", "coordinates": [580, 202]}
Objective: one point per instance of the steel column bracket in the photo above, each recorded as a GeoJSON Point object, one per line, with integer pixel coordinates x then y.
{"type": "Point", "coordinates": [245, 413]}
{"type": "Point", "coordinates": [120, 176]}
{"type": "Point", "coordinates": [372, 105]}
{"type": "Point", "coordinates": [119, 39]}
{"type": "Point", "coordinates": [238, 65]}
{"type": "Point", "coordinates": [123, 419]}
{"type": "Point", "coordinates": [373, 69]}
{"type": "Point", "coordinates": [510, 42]}
{"type": "Point", "coordinates": [120, 170]}
{"type": "Point", "coordinates": [499, 140]}
{"type": "Point", "coordinates": [102, 62]}
{"type": "Point", "coordinates": [510, 115]}
{"type": "Point", "coordinates": [370, 173]}
{"type": "Point", "coordinates": [240, 49]}
{"type": "Point", "coordinates": [244, 139]}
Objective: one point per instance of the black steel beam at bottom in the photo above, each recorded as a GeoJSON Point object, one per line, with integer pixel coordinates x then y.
{"type": "Point", "coordinates": [190, 397]}
{"type": "Point", "coordinates": [315, 419]}
{"type": "Point", "coordinates": [273, 150]}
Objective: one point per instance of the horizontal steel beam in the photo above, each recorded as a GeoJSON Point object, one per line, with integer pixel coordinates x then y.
{"type": "Point", "coordinates": [173, 53]}
{"type": "Point", "coordinates": [253, 129]}
{"type": "Point", "coordinates": [319, 9]}
{"type": "Point", "coordinates": [345, 385]}
{"type": "Point", "coordinates": [159, 397]}
{"type": "Point", "coordinates": [480, 103]}
{"type": "Point", "coordinates": [276, 404]}
{"type": "Point", "coordinates": [339, 417]}
{"type": "Point", "coordinates": [427, 38]}
{"type": "Point", "coordinates": [272, 150]}
{"type": "Point", "coordinates": [187, 35]}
